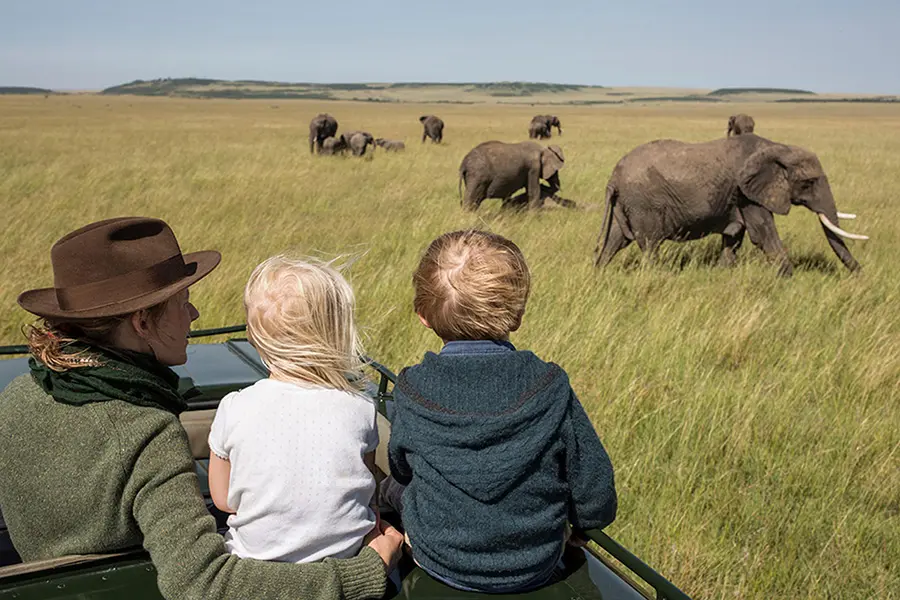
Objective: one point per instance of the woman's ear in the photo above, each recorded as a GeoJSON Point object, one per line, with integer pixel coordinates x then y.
{"type": "Point", "coordinates": [423, 320]}
{"type": "Point", "coordinates": [141, 324]}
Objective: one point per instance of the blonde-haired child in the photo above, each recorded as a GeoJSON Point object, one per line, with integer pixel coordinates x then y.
{"type": "Point", "coordinates": [292, 456]}
{"type": "Point", "coordinates": [496, 452]}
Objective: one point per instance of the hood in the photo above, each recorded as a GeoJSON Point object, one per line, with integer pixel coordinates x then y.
{"type": "Point", "coordinates": [489, 421]}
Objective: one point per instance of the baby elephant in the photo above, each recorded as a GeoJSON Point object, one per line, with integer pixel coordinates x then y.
{"type": "Point", "coordinates": [333, 145]}
{"type": "Point", "coordinates": [739, 124]}
{"type": "Point", "coordinates": [359, 142]}
{"type": "Point", "coordinates": [390, 145]}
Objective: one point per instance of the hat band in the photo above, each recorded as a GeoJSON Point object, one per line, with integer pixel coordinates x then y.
{"type": "Point", "coordinates": [121, 288]}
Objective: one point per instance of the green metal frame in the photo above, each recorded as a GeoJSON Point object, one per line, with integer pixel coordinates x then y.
{"type": "Point", "coordinates": [665, 589]}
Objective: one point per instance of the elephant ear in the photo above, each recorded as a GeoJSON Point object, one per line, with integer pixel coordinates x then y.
{"type": "Point", "coordinates": [764, 178]}
{"type": "Point", "coordinates": [730, 126]}
{"type": "Point", "coordinates": [551, 161]}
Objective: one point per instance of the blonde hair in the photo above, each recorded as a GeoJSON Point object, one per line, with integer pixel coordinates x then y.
{"type": "Point", "coordinates": [472, 285]}
{"type": "Point", "coordinates": [300, 320]}
{"type": "Point", "coordinates": [49, 339]}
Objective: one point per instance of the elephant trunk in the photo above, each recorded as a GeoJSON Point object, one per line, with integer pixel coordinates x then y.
{"type": "Point", "coordinates": [828, 216]}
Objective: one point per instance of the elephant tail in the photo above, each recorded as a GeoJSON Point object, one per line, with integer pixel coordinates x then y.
{"type": "Point", "coordinates": [611, 195]}
{"type": "Point", "coordinates": [462, 178]}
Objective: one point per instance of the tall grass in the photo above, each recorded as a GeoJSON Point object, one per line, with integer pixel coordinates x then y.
{"type": "Point", "coordinates": [754, 422]}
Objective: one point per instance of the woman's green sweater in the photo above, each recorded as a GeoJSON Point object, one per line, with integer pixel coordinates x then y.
{"type": "Point", "coordinates": [106, 476]}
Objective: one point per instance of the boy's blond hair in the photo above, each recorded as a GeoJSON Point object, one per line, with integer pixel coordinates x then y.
{"type": "Point", "coordinates": [472, 285]}
{"type": "Point", "coordinates": [300, 320]}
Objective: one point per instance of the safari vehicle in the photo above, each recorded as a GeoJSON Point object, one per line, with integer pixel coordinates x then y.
{"type": "Point", "coordinates": [602, 570]}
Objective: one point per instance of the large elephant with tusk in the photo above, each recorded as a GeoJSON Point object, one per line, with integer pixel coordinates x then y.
{"type": "Point", "coordinates": [671, 190]}
{"type": "Point", "coordinates": [321, 127]}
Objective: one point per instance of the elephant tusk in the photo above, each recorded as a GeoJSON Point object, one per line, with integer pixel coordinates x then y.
{"type": "Point", "coordinates": [846, 215]}
{"type": "Point", "coordinates": [835, 229]}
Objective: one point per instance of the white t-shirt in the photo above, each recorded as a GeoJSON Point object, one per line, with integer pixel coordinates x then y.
{"type": "Point", "coordinates": [299, 486]}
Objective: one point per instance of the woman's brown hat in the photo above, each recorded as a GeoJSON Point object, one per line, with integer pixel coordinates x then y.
{"type": "Point", "coordinates": [116, 267]}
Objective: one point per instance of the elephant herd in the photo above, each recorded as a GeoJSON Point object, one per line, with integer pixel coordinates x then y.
{"type": "Point", "coordinates": [324, 139]}
{"type": "Point", "coordinates": [661, 190]}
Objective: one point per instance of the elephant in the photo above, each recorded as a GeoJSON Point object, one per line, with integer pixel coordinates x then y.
{"type": "Point", "coordinates": [540, 126]}
{"type": "Point", "coordinates": [322, 126]}
{"type": "Point", "coordinates": [334, 145]}
{"type": "Point", "coordinates": [497, 170]}
{"type": "Point", "coordinates": [359, 142]}
{"type": "Point", "coordinates": [738, 124]}
{"type": "Point", "coordinates": [672, 190]}
{"type": "Point", "coordinates": [433, 127]}
{"type": "Point", "coordinates": [390, 145]}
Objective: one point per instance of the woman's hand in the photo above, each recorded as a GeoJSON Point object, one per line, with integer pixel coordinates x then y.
{"type": "Point", "coordinates": [388, 543]}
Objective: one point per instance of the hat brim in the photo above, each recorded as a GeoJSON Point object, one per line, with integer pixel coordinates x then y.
{"type": "Point", "coordinates": [43, 302]}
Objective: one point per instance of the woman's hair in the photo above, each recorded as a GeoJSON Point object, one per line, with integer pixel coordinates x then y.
{"type": "Point", "coordinates": [300, 320]}
{"type": "Point", "coordinates": [472, 285]}
{"type": "Point", "coordinates": [48, 339]}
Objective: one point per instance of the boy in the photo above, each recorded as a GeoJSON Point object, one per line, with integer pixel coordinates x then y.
{"type": "Point", "coordinates": [495, 450]}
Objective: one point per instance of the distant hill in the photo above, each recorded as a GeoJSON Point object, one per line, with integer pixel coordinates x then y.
{"type": "Point", "coordinates": [522, 88]}
{"type": "Point", "coordinates": [519, 93]}
{"type": "Point", "coordinates": [24, 90]}
{"type": "Point", "coordinates": [782, 91]}
{"type": "Point", "coordinates": [864, 100]}
{"type": "Point", "coordinates": [197, 87]}
{"type": "Point", "coordinates": [688, 98]}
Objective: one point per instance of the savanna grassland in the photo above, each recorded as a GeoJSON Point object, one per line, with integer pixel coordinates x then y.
{"type": "Point", "coordinates": [754, 422]}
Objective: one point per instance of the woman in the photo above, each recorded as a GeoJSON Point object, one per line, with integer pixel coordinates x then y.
{"type": "Point", "coordinates": [93, 457]}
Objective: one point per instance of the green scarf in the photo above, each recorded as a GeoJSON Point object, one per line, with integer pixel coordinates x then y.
{"type": "Point", "coordinates": [132, 377]}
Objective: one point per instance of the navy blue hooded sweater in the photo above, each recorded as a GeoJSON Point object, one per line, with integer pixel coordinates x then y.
{"type": "Point", "coordinates": [497, 455]}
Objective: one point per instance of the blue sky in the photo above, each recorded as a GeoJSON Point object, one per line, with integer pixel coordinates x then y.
{"type": "Point", "coordinates": [823, 45]}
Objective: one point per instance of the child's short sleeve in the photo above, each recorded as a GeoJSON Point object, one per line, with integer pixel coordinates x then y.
{"type": "Point", "coordinates": [218, 432]}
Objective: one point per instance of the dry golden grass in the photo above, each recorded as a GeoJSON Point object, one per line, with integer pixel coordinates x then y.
{"type": "Point", "coordinates": [754, 422]}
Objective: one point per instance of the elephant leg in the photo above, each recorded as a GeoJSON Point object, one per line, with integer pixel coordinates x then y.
{"type": "Point", "coordinates": [615, 242]}
{"type": "Point", "coordinates": [424, 135]}
{"type": "Point", "coordinates": [732, 238]}
{"type": "Point", "coordinates": [761, 228]}
{"type": "Point", "coordinates": [650, 248]}
{"type": "Point", "coordinates": [475, 195]}
{"type": "Point", "coordinates": [533, 188]}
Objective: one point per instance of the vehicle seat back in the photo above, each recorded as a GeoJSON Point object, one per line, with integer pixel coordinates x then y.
{"type": "Point", "coordinates": [197, 424]}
